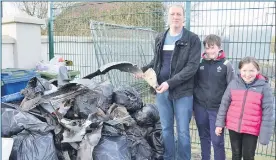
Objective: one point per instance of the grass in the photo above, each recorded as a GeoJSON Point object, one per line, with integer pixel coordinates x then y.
{"type": "Point", "coordinates": [196, 154]}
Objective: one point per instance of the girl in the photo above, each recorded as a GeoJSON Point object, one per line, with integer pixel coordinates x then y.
{"type": "Point", "coordinates": [247, 111]}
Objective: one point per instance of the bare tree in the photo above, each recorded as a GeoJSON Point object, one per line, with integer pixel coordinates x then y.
{"type": "Point", "coordinates": [40, 9]}
{"type": "Point", "coordinates": [35, 9]}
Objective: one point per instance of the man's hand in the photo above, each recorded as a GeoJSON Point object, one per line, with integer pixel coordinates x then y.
{"type": "Point", "coordinates": [218, 131]}
{"type": "Point", "coordinates": [162, 88]}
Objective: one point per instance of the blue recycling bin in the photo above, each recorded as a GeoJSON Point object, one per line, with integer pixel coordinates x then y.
{"type": "Point", "coordinates": [13, 80]}
{"type": "Point", "coordinates": [12, 97]}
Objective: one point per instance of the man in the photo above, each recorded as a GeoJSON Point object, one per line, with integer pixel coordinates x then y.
{"type": "Point", "coordinates": [176, 59]}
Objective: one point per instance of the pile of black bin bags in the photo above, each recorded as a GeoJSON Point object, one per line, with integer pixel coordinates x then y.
{"type": "Point", "coordinates": [87, 122]}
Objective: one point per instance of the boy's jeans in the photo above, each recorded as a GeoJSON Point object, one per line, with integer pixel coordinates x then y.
{"type": "Point", "coordinates": [205, 121]}
{"type": "Point", "coordinates": [182, 109]}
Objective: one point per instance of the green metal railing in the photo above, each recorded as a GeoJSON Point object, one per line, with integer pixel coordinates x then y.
{"type": "Point", "coordinates": [94, 33]}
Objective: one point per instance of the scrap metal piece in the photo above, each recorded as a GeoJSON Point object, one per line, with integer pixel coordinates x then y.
{"type": "Point", "coordinates": [149, 76]}
{"type": "Point", "coordinates": [122, 66]}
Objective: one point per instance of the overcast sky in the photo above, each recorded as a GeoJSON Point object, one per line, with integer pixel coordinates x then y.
{"type": "Point", "coordinates": [9, 9]}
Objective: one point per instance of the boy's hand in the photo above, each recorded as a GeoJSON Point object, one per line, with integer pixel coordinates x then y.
{"type": "Point", "coordinates": [218, 131]}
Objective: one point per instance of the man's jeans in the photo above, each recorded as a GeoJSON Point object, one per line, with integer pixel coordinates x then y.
{"type": "Point", "coordinates": [182, 109]}
{"type": "Point", "coordinates": [205, 121]}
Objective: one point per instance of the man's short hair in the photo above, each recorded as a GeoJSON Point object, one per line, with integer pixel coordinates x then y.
{"type": "Point", "coordinates": [211, 40]}
{"type": "Point", "coordinates": [178, 6]}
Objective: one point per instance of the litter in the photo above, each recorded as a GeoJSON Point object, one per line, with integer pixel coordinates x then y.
{"type": "Point", "coordinates": [82, 120]}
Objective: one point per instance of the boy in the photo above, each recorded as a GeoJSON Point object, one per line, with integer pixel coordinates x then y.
{"type": "Point", "coordinates": [211, 80]}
